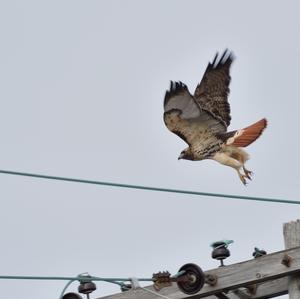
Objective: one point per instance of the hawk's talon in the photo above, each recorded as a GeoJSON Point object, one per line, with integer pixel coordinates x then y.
{"type": "Point", "coordinates": [248, 173]}
{"type": "Point", "coordinates": [243, 179]}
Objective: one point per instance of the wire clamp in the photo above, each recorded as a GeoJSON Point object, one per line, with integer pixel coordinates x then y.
{"type": "Point", "coordinates": [162, 280]}
{"type": "Point", "coordinates": [135, 284]}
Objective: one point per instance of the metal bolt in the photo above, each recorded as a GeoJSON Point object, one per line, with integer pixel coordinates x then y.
{"type": "Point", "coordinates": [211, 279]}
{"type": "Point", "coordinates": [286, 260]}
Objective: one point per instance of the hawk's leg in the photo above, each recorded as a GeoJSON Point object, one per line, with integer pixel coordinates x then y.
{"type": "Point", "coordinates": [224, 159]}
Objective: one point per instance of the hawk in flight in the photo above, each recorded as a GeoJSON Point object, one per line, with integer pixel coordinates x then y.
{"type": "Point", "coordinates": [201, 120]}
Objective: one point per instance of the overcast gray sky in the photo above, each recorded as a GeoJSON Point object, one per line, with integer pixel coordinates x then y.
{"type": "Point", "coordinates": [82, 87]}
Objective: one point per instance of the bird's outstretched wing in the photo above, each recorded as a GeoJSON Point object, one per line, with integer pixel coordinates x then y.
{"type": "Point", "coordinates": [212, 92]}
{"type": "Point", "coordinates": [184, 117]}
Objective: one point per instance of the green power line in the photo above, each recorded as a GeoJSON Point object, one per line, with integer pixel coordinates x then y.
{"type": "Point", "coordinates": [128, 186]}
{"type": "Point", "coordinates": [70, 278]}
{"type": "Point", "coordinates": [80, 278]}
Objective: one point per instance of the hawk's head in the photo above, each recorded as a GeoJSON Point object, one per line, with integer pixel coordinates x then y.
{"type": "Point", "coordinates": [186, 154]}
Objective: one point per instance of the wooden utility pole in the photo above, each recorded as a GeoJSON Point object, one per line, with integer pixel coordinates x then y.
{"type": "Point", "coordinates": [267, 276]}
{"type": "Point", "coordinates": [291, 232]}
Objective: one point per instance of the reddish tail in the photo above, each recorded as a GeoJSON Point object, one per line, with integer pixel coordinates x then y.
{"type": "Point", "coordinates": [250, 134]}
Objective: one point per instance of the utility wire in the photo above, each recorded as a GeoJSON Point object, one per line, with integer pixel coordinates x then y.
{"type": "Point", "coordinates": [82, 277]}
{"type": "Point", "coordinates": [78, 278]}
{"type": "Point", "coordinates": [140, 187]}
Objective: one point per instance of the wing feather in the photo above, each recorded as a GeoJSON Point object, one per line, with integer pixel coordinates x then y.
{"type": "Point", "coordinates": [184, 117]}
{"type": "Point", "coordinates": [212, 92]}
{"type": "Point", "coordinates": [179, 97]}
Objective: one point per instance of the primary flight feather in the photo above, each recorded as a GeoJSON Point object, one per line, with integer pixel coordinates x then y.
{"type": "Point", "coordinates": [201, 120]}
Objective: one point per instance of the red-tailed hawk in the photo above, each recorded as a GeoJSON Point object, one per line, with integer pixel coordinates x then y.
{"type": "Point", "coordinates": [201, 120]}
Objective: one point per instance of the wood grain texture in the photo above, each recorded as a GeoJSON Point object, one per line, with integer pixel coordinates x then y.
{"type": "Point", "coordinates": [267, 272]}
{"type": "Point", "coordinates": [268, 267]}
{"type": "Point", "coordinates": [269, 289]}
{"type": "Point", "coordinates": [291, 232]}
